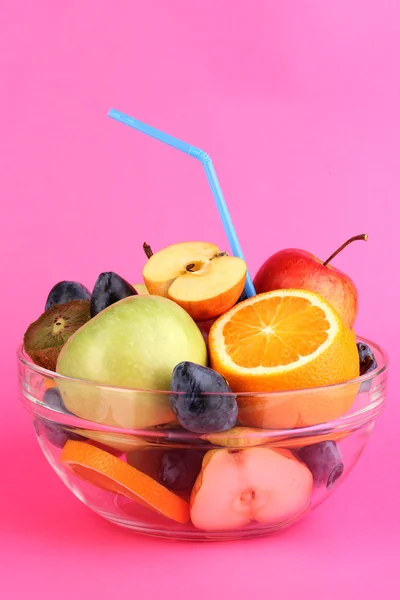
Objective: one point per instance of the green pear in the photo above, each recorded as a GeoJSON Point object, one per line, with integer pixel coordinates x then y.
{"type": "Point", "coordinates": [133, 344]}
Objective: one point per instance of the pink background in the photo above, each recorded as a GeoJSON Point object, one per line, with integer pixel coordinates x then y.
{"type": "Point", "coordinates": [298, 104]}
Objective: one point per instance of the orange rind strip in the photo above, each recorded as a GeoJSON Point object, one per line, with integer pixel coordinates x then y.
{"type": "Point", "coordinates": [109, 473]}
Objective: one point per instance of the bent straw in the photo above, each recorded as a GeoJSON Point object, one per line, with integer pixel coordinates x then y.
{"type": "Point", "coordinates": [206, 161]}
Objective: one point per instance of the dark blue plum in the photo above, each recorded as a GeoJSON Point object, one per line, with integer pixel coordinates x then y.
{"type": "Point", "coordinates": [324, 460]}
{"type": "Point", "coordinates": [179, 468]}
{"type": "Point", "coordinates": [175, 468]}
{"type": "Point", "coordinates": [66, 291]}
{"type": "Point", "coordinates": [367, 359]}
{"type": "Point", "coordinates": [202, 400]}
{"type": "Point", "coordinates": [367, 364]}
{"type": "Point", "coordinates": [108, 289]}
{"type": "Point", "coordinates": [56, 434]}
{"type": "Point", "coordinates": [53, 399]}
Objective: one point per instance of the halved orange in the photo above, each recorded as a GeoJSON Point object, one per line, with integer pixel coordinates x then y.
{"type": "Point", "coordinates": [282, 341]}
{"type": "Point", "coordinates": [109, 473]}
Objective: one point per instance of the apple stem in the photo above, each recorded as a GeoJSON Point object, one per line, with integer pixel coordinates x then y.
{"type": "Point", "coordinates": [361, 237]}
{"type": "Point", "coordinates": [147, 250]}
{"type": "Point", "coordinates": [190, 267]}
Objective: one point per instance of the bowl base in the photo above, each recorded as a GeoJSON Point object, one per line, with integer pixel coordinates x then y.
{"type": "Point", "coordinates": [192, 535]}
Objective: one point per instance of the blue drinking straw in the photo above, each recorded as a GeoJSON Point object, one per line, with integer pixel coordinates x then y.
{"type": "Point", "coordinates": [212, 178]}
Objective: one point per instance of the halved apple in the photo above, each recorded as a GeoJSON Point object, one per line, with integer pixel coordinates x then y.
{"type": "Point", "coordinates": [197, 276]}
{"type": "Point", "coordinates": [236, 488]}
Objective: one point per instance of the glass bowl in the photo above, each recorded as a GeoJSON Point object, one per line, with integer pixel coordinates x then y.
{"type": "Point", "coordinates": [121, 452]}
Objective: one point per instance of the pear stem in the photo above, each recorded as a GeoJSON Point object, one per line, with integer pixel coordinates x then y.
{"type": "Point", "coordinates": [362, 237]}
{"type": "Point", "coordinates": [147, 250]}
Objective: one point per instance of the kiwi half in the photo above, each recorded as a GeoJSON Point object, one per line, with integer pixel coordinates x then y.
{"type": "Point", "coordinates": [45, 337]}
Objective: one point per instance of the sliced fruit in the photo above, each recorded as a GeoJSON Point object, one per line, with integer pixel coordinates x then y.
{"type": "Point", "coordinates": [163, 267]}
{"type": "Point", "coordinates": [108, 472]}
{"type": "Point", "coordinates": [238, 487]}
{"type": "Point", "coordinates": [108, 449]}
{"type": "Point", "coordinates": [44, 339]}
{"type": "Point", "coordinates": [247, 437]}
{"type": "Point", "coordinates": [197, 276]}
{"type": "Point", "coordinates": [237, 437]}
{"type": "Point", "coordinates": [282, 341]}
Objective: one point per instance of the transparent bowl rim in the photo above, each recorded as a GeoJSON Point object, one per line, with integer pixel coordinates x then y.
{"type": "Point", "coordinates": [351, 419]}
{"type": "Point", "coordinates": [26, 361]}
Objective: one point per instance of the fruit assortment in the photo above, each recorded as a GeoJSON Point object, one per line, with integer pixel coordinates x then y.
{"type": "Point", "coordinates": [202, 359]}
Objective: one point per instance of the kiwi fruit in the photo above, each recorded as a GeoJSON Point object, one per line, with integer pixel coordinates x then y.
{"type": "Point", "coordinates": [45, 337]}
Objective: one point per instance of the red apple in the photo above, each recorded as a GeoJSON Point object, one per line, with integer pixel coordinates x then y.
{"type": "Point", "coordinates": [298, 269]}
